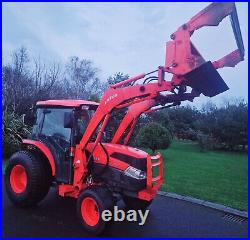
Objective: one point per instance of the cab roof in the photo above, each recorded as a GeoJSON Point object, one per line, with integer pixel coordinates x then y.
{"type": "Point", "coordinates": [67, 103]}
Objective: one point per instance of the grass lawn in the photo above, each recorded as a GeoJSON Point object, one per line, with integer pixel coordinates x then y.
{"type": "Point", "coordinates": [219, 177]}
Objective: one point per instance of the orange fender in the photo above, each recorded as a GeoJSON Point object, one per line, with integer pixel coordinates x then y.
{"type": "Point", "coordinates": [45, 150]}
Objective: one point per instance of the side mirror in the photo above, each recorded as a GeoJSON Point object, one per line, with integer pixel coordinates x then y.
{"type": "Point", "coordinates": [29, 119]}
{"type": "Point", "coordinates": [68, 120]}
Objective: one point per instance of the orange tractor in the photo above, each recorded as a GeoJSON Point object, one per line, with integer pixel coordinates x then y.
{"type": "Point", "coordinates": [69, 147]}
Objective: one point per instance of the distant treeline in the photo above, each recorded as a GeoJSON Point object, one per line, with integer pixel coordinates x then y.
{"type": "Point", "coordinates": [224, 127]}
{"type": "Point", "coordinates": [26, 80]}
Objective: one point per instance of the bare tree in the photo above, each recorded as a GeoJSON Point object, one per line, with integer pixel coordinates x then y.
{"type": "Point", "coordinates": [26, 81]}
{"type": "Point", "coordinates": [81, 75]}
{"type": "Point", "coordinates": [15, 80]}
{"type": "Point", "coordinates": [46, 79]}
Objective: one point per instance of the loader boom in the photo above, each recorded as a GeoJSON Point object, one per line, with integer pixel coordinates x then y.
{"type": "Point", "coordinates": [181, 55]}
{"type": "Point", "coordinates": [184, 62]}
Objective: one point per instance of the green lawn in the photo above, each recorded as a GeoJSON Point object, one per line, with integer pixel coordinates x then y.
{"type": "Point", "coordinates": [219, 177]}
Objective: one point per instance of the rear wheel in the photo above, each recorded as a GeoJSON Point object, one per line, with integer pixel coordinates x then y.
{"type": "Point", "coordinates": [136, 203]}
{"type": "Point", "coordinates": [18, 179]}
{"type": "Point", "coordinates": [27, 179]}
{"type": "Point", "coordinates": [90, 205]}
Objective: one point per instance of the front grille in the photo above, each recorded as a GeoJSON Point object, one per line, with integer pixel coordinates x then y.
{"type": "Point", "coordinates": [139, 163]}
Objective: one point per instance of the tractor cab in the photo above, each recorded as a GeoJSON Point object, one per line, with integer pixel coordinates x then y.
{"type": "Point", "coordinates": [60, 125]}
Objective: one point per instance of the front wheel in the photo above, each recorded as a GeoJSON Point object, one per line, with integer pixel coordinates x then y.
{"type": "Point", "coordinates": [90, 205]}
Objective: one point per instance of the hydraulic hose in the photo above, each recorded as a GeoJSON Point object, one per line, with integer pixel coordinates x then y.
{"type": "Point", "coordinates": [91, 161]}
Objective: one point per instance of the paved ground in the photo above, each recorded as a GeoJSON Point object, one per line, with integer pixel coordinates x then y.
{"type": "Point", "coordinates": [56, 217]}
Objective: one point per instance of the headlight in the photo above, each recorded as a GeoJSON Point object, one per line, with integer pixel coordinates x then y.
{"type": "Point", "coordinates": [135, 173]}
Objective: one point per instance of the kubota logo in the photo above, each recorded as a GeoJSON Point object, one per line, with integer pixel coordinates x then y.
{"type": "Point", "coordinates": [110, 98]}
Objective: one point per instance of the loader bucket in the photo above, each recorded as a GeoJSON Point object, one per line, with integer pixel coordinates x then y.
{"type": "Point", "coordinates": [206, 80]}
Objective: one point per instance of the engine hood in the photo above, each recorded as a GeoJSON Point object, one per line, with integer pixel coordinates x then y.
{"type": "Point", "coordinates": [120, 156]}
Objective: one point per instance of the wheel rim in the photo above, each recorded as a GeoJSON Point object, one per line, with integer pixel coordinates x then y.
{"type": "Point", "coordinates": [90, 211]}
{"type": "Point", "coordinates": [18, 179]}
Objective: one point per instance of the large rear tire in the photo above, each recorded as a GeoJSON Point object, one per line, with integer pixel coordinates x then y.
{"type": "Point", "coordinates": [27, 179]}
{"type": "Point", "coordinates": [90, 205]}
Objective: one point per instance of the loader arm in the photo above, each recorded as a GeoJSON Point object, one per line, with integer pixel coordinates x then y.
{"type": "Point", "coordinates": [130, 119]}
{"type": "Point", "coordinates": [120, 97]}
{"type": "Point", "coordinates": [183, 61]}
{"type": "Point", "coordinates": [148, 106]}
{"type": "Point", "coordinates": [181, 55]}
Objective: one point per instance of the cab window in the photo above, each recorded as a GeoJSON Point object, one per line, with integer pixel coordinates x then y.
{"type": "Point", "coordinates": [82, 121]}
{"type": "Point", "coordinates": [50, 122]}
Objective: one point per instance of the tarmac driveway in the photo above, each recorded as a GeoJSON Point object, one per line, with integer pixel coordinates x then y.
{"type": "Point", "coordinates": [56, 217]}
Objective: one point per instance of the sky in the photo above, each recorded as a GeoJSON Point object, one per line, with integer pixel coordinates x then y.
{"type": "Point", "coordinates": [120, 37]}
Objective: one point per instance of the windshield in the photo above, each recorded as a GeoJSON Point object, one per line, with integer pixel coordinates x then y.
{"type": "Point", "coordinates": [50, 122]}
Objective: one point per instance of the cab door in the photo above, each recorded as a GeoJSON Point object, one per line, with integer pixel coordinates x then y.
{"type": "Point", "coordinates": [50, 130]}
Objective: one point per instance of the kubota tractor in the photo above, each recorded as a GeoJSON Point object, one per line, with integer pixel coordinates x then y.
{"type": "Point", "coordinates": [68, 145]}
